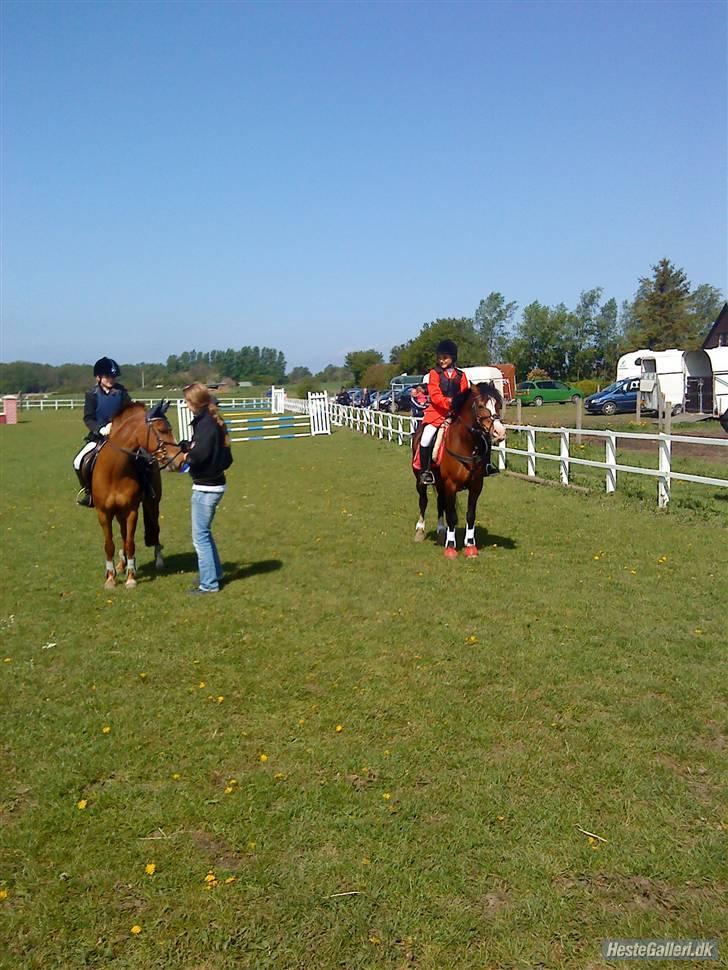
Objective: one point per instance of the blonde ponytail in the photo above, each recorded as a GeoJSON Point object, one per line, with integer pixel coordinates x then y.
{"type": "Point", "coordinates": [198, 396]}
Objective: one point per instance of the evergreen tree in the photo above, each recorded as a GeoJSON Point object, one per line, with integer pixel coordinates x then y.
{"type": "Point", "coordinates": [492, 321]}
{"type": "Point", "coordinates": [661, 311]}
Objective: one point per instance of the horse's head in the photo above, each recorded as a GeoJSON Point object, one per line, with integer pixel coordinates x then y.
{"type": "Point", "coordinates": [487, 404]}
{"type": "Point", "coordinates": [149, 433]}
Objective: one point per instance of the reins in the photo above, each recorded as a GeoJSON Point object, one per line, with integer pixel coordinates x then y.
{"type": "Point", "coordinates": [479, 434]}
{"type": "Point", "coordinates": [142, 453]}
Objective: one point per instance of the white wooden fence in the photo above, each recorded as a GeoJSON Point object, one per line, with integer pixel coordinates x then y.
{"type": "Point", "coordinates": [400, 428]}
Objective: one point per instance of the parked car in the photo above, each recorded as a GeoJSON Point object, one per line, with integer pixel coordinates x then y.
{"type": "Point", "coordinates": [545, 392]}
{"type": "Point", "coordinates": [620, 397]}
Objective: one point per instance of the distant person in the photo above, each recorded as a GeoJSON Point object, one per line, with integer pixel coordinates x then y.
{"type": "Point", "coordinates": [343, 397]}
{"type": "Point", "coordinates": [444, 381]}
{"type": "Point", "coordinates": [364, 400]}
{"type": "Point", "coordinates": [418, 401]}
{"type": "Point", "coordinates": [103, 402]}
{"type": "Point", "coordinates": [208, 454]}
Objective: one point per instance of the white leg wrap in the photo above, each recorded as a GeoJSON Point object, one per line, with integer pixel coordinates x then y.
{"type": "Point", "coordinates": [109, 566]}
{"type": "Point", "coordinates": [469, 536]}
{"type": "Point", "coordinates": [420, 524]}
{"type": "Point", "coordinates": [450, 538]}
{"type": "Point", "coordinates": [131, 566]}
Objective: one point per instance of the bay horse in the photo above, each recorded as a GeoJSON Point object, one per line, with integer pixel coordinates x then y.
{"type": "Point", "coordinates": [475, 426]}
{"type": "Point", "coordinates": [127, 474]}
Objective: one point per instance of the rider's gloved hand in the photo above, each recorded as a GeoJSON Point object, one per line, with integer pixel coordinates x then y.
{"type": "Point", "coordinates": [105, 430]}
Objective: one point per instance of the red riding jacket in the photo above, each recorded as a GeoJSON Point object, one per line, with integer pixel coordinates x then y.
{"type": "Point", "coordinates": [442, 387]}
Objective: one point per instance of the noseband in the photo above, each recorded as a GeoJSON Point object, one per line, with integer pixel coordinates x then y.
{"type": "Point", "coordinates": [161, 450]}
{"type": "Point", "coordinates": [481, 434]}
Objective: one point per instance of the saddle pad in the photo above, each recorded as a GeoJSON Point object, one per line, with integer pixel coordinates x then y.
{"type": "Point", "coordinates": [436, 448]}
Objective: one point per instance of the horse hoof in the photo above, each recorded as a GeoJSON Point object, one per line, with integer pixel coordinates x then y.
{"type": "Point", "coordinates": [451, 552]}
{"type": "Point", "coordinates": [471, 551]}
{"type": "Point", "coordinates": [159, 564]}
{"type": "Point", "coordinates": [419, 535]}
{"type": "Point", "coordinates": [130, 583]}
{"type": "Point", "coordinates": [110, 581]}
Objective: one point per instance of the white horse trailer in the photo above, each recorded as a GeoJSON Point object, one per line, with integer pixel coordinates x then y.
{"type": "Point", "coordinates": [630, 365]}
{"type": "Point", "coordinates": [719, 365]}
{"type": "Point", "coordinates": [478, 375]}
{"type": "Point", "coordinates": [685, 379]}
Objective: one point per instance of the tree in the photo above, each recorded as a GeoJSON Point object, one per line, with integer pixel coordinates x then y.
{"type": "Point", "coordinates": [358, 361]}
{"type": "Point", "coordinates": [298, 374]}
{"type": "Point", "coordinates": [661, 310]}
{"type": "Point", "coordinates": [418, 356]}
{"type": "Point", "coordinates": [705, 303]}
{"type": "Point", "coordinates": [493, 320]}
{"type": "Point", "coordinates": [335, 374]}
{"type": "Point", "coordinates": [543, 339]}
{"type": "Point", "coordinates": [378, 376]}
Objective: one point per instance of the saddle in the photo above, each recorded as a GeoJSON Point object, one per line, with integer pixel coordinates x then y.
{"type": "Point", "coordinates": [88, 462]}
{"type": "Point", "coordinates": [436, 448]}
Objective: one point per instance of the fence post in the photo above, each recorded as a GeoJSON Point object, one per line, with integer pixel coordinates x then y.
{"type": "Point", "coordinates": [611, 460]}
{"type": "Point", "coordinates": [531, 448]}
{"type": "Point", "coordinates": [578, 420]}
{"type": "Point", "coordinates": [638, 416]}
{"type": "Point", "coordinates": [501, 456]}
{"type": "Point", "coordinates": [564, 453]}
{"type": "Point", "coordinates": [519, 406]}
{"type": "Point", "coordinates": [663, 482]}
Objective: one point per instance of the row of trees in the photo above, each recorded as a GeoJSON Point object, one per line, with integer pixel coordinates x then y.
{"type": "Point", "coordinates": [580, 342]}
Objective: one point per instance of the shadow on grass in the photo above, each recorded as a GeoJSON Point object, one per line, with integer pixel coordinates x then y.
{"type": "Point", "coordinates": [186, 562]}
{"type": "Point", "coordinates": [483, 538]}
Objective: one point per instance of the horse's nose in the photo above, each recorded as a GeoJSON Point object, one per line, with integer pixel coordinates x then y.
{"type": "Point", "coordinates": [499, 431]}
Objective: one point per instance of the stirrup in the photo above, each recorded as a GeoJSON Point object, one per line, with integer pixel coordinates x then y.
{"type": "Point", "coordinates": [426, 477]}
{"type": "Point", "coordinates": [491, 469]}
{"type": "Point", "coordinates": [84, 498]}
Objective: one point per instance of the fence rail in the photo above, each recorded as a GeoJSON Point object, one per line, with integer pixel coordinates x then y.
{"type": "Point", "coordinates": [400, 428]}
{"type": "Point", "coordinates": [58, 404]}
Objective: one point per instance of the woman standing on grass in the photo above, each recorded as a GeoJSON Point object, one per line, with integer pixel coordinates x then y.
{"type": "Point", "coordinates": [208, 455]}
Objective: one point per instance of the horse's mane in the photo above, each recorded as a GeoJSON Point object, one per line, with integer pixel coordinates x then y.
{"type": "Point", "coordinates": [487, 390]}
{"type": "Point", "coordinates": [132, 408]}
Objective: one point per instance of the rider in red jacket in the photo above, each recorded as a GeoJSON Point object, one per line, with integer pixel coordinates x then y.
{"type": "Point", "coordinates": [443, 383]}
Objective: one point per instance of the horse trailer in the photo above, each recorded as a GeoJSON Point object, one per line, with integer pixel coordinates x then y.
{"type": "Point", "coordinates": [695, 381]}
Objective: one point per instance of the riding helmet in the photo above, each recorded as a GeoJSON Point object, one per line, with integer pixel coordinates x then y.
{"type": "Point", "coordinates": [448, 348]}
{"type": "Point", "coordinates": [106, 367]}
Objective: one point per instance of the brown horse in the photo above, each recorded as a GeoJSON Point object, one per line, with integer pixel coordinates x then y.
{"type": "Point", "coordinates": [465, 459]}
{"type": "Point", "coordinates": [127, 474]}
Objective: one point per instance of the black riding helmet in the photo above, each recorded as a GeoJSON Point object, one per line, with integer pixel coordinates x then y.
{"type": "Point", "coordinates": [448, 348]}
{"type": "Point", "coordinates": [106, 367]}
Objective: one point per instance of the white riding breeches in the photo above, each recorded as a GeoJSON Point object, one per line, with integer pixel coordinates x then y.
{"type": "Point", "coordinates": [428, 435]}
{"type": "Point", "coordinates": [84, 451]}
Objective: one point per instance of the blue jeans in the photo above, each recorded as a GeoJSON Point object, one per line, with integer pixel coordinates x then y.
{"type": "Point", "coordinates": [204, 506]}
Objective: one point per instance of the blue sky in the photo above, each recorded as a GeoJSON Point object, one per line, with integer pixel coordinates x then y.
{"type": "Point", "coordinates": [323, 177]}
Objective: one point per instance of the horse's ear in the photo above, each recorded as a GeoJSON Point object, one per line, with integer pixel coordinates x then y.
{"type": "Point", "coordinates": [158, 410]}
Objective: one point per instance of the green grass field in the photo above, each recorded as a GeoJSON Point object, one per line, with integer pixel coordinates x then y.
{"type": "Point", "coordinates": [359, 754]}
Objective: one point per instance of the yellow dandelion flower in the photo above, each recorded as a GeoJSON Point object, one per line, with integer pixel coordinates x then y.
{"type": "Point", "coordinates": [230, 879]}
{"type": "Point", "coordinates": [471, 640]}
{"type": "Point", "coordinates": [176, 776]}
{"type": "Point", "coordinates": [386, 752]}
{"type": "Point", "coordinates": [263, 758]}
{"type": "Point", "coordinates": [7, 660]}
{"type": "Point", "coordinates": [251, 845]}
{"type": "Point", "coordinates": [3, 894]}
{"type": "Point", "coordinates": [501, 818]}
{"type": "Point", "coordinates": [386, 796]}
{"type": "Point", "coordinates": [366, 862]}
{"type": "Point", "coordinates": [220, 698]}
{"type": "Point", "coordinates": [142, 676]}
{"type": "Point", "coordinates": [698, 631]}
{"type": "Point", "coordinates": [339, 728]}
{"type": "Point", "coordinates": [150, 868]}
{"type": "Point", "coordinates": [106, 729]}
{"type": "Point", "coordinates": [279, 776]}
{"type": "Point", "coordinates": [210, 877]}
{"type": "Point", "coordinates": [375, 940]}
{"type": "Point", "coordinates": [301, 720]}
{"type": "Point", "coordinates": [229, 790]}
{"type": "Point", "coordinates": [82, 804]}
{"type": "Point", "coordinates": [136, 929]}
{"type": "Point", "coordinates": [202, 684]}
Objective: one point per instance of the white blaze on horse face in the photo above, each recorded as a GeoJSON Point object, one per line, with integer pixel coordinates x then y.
{"type": "Point", "coordinates": [499, 432]}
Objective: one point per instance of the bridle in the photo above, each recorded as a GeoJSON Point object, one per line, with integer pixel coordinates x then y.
{"type": "Point", "coordinates": [481, 434]}
{"type": "Point", "coordinates": [150, 456]}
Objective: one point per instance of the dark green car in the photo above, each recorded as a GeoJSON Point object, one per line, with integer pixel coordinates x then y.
{"type": "Point", "coordinates": [545, 392]}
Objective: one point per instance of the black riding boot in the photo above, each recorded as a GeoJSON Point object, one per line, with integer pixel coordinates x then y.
{"type": "Point", "coordinates": [84, 496]}
{"type": "Point", "coordinates": [426, 476]}
{"type": "Point", "coordinates": [491, 469]}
